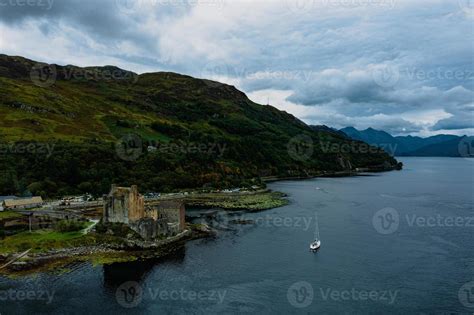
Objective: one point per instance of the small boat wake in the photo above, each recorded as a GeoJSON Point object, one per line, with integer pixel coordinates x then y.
{"type": "Point", "coordinates": [316, 244]}
{"type": "Point", "coordinates": [323, 190]}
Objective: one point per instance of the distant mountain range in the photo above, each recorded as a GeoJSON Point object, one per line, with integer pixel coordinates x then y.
{"type": "Point", "coordinates": [440, 145]}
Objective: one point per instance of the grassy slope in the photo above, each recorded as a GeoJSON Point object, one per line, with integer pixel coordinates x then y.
{"type": "Point", "coordinates": [160, 107]}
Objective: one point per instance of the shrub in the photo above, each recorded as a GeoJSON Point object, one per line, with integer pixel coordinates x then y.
{"type": "Point", "coordinates": [69, 226]}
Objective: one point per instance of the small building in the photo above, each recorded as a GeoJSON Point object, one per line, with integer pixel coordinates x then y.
{"type": "Point", "coordinates": [3, 198]}
{"type": "Point", "coordinates": [22, 203]}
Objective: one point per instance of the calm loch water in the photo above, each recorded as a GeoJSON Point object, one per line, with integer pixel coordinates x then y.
{"type": "Point", "coordinates": [397, 242]}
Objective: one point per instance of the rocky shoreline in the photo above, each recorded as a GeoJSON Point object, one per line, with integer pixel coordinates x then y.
{"type": "Point", "coordinates": [346, 173]}
{"type": "Point", "coordinates": [129, 250]}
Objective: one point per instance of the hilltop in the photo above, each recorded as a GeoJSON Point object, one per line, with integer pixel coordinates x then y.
{"type": "Point", "coordinates": [89, 127]}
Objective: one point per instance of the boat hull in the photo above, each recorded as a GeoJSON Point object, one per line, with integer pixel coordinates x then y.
{"type": "Point", "coordinates": [315, 246]}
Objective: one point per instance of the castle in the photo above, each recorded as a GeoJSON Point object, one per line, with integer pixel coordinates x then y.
{"type": "Point", "coordinates": [126, 205]}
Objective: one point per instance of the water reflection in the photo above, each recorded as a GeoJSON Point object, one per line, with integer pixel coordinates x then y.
{"type": "Point", "coordinates": [137, 271]}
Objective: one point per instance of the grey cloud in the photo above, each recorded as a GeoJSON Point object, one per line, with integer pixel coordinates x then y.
{"type": "Point", "coordinates": [455, 122]}
{"type": "Point", "coordinates": [326, 56]}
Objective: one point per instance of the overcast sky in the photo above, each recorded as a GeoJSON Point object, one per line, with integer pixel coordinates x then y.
{"type": "Point", "coordinates": [402, 66]}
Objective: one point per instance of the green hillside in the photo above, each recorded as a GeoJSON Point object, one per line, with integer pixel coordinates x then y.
{"type": "Point", "coordinates": [89, 127]}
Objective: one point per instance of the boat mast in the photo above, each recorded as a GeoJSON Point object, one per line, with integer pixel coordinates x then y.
{"type": "Point", "coordinates": [316, 228]}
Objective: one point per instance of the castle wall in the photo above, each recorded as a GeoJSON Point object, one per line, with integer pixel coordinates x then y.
{"type": "Point", "coordinates": [174, 212]}
{"type": "Point", "coordinates": [123, 205]}
{"type": "Point", "coordinates": [126, 205]}
{"type": "Point", "coordinates": [136, 205]}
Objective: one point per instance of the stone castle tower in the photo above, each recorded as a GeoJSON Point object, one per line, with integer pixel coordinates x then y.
{"type": "Point", "coordinates": [124, 205]}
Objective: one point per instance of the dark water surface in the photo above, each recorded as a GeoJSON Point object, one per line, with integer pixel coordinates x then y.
{"type": "Point", "coordinates": [397, 242]}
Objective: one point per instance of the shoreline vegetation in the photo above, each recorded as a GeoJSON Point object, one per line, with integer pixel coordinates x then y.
{"type": "Point", "coordinates": [51, 250]}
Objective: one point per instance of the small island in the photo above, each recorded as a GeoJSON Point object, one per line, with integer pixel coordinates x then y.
{"type": "Point", "coordinates": [123, 226]}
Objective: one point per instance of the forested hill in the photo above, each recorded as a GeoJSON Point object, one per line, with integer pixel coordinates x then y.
{"type": "Point", "coordinates": [66, 129]}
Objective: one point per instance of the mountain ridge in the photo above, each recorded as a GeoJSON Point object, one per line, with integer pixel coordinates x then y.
{"type": "Point", "coordinates": [438, 145]}
{"type": "Point", "coordinates": [169, 124]}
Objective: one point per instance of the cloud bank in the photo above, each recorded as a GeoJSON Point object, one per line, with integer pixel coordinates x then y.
{"type": "Point", "coordinates": [403, 66]}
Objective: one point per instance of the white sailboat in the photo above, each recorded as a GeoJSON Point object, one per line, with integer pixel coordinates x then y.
{"type": "Point", "coordinates": [316, 244]}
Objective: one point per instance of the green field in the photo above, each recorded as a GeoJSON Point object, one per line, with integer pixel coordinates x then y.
{"type": "Point", "coordinates": [9, 215]}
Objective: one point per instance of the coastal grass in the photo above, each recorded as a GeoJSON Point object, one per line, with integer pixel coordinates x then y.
{"type": "Point", "coordinates": [9, 215]}
{"type": "Point", "coordinates": [251, 202]}
{"type": "Point", "coordinates": [62, 236]}
{"type": "Point", "coordinates": [38, 241]}
{"type": "Point", "coordinates": [99, 259]}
